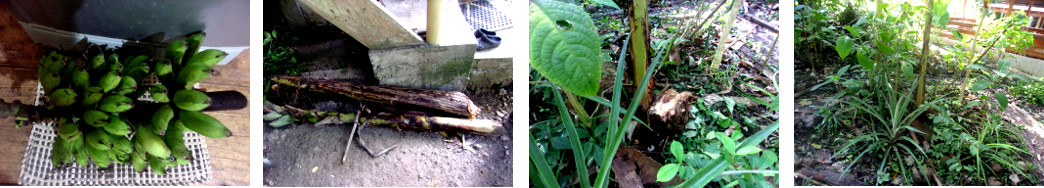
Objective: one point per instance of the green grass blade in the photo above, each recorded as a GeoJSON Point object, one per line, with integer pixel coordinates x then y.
{"type": "Point", "coordinates": [602, 180]}
{"type": "Point", "coordinates": [574, 141]}
{"type": "Point", "coordinates": [617, 139]}
{"type": "Point", "coordinates": [546, 177]}
{"type": "Point", "coordinates": [706, 174]}
{"type": "Point", "coordinates": [608, 103]}
{"type": "Point", "coordinates": [756, 138]}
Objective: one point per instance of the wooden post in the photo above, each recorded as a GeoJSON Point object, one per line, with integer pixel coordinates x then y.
{"type": "Point", "coordinates": [1011, 7]}
{"type": "Point", "coordinates": [434, 35]}
{"type": "Point", "coordinates": [365, 20]}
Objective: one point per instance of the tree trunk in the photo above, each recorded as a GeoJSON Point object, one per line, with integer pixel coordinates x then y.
{"type": "Point", "coordinates": [405, 99]}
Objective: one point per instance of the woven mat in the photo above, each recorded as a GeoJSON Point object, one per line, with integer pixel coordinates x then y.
{"type": "Point", "coordinates": [37, 169]}
{"type": "Point", "coordinates": [482, 14]}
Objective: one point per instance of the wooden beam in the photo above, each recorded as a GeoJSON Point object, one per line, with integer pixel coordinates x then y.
{"type": "Point", "coordinates": [365, 20]}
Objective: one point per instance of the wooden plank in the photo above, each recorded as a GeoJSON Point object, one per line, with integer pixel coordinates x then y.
{"type": "Point", "coordinates": [230, 157]}
{"type": "Point", "coordinates": [367, 21]}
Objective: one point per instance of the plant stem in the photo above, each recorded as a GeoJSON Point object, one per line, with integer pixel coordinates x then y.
{"type": "Point", "coordinates": [724, 35]}
{"type": "Point", "coordinates": [925, 50]}
{"type": "Point", "coordinates": [574, 104]}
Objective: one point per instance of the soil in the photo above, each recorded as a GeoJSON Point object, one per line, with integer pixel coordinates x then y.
{"type": "Point", "coordinates": [308, 155]}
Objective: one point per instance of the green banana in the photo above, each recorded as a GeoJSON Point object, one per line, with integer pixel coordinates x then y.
{"type": "Point", "coordinates": [175, 140]}
{"type": "Point", "coordinates": [91, 96]}
{"type": "Point", "coordinates": [127, 85]}
{"type": "Point", "coordinates": [209, 57]}
{"type": "Point", "coordinates": [193, 73]}
{"type": "Point", "coordinates": [151, 142]}
{"type": "Point", "coordinates": [98, 139]}
{"type": "Point", "coordinates": [95, 118]}
{"type": "Point", "coordinates": [80, 78]}
{"type": "Point", "coordinates": [203, 124]}
{"type": "Point", "coordinates": [97, 62]}
{"type": "Point", "coordinates": [156, 165]}
{"type": "Point", "coordinates": [69, 131]}
{"type": "Point", "coordinates": [114, 63]}
{"type": "Point", "coordinates": [50, 81]}
{"type": "Point", "coordinates": [117, 126]}
{"type": "Point", "coordinates": [109, 81]}
{"type": "Point", "coordinates": [161, 118]}
{"type": "Point", "coordinates": [75, 143]}
{"type": "Point", "coordinates": [115, 104]}
{"type": "Point", "coordinates": [60, 154]}
{"type": "Point", "coordinates": [99, 157]}
{"type": "Point", "coordinates": [52, 63]}
{"type": "Point", "coordinates": [175, 51]}
{"type": "Point", "coordinates": [138, 160]}
{"type": "Point", "coordinates": [194, 41]}
{"type": "Point", "coordinates": [122, 148]}
{"type": "Point", "coordinates": [138, 72]}
{"type": "Point", "coordinates": [81, 156]}
{"type": "Point", "coordinates": [191, 100]}
{"type": "Point", "coordinates": [136, 60]}
{"type": "Point", "coordinates": [62, 97]}
{"type": "Point", "coordinates": [159, 93]}
{"type": "Point", "coordinates": [163, 68]}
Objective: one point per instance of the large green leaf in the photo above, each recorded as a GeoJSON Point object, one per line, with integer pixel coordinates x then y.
{"type": "Point", "coordinates": [564, 46]}
{"type": "Point", "coordinates": [843, 46]}
{"type": "Point", "coordinates": [1002, 99]}
{"type": "Point", "coordinates": [940, 15]}
{"type": "Point", "coordinates": [864, 61]}
{"type": "Point", "coordinates": [979, 85]}
{"type": "Point", "coordinates": [884, 48]}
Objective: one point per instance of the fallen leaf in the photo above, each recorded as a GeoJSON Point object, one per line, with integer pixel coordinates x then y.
{"type": "Point", "coordinates": [805, 102]}
{"type": "Point", "coordinates": [817, 146]}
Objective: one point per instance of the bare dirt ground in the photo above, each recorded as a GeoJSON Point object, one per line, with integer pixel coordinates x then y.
{"type": "Point", "coordinates": [308, 155]}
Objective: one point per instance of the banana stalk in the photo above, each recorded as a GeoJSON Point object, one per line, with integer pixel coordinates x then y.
{"type": "Point", "coordinates": [448, 102]}
{"type": "Point", "coordinates": [404, 121]}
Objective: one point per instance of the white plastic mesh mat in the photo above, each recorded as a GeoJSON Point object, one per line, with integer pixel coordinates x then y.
{"type": "Point", "coordinates": [482, 14]}
{"type": "Point", "coordinates": [37, 169]}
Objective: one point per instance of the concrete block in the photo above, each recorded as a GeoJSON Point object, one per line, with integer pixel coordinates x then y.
{"type": "Point", "coordinates": [424, 66]}
{"type": "Point", "coordinates": [486, 73]}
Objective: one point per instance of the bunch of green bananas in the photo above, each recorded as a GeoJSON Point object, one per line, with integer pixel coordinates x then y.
{"type": "Point", "coordinates": [95, 97]}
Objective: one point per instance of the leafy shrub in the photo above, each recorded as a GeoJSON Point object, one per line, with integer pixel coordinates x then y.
{"type": "Point", "coordinates": [1029, 91]}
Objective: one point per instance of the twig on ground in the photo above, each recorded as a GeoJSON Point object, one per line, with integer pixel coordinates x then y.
{"type": "Point", "coordinates": [362, 143]}
{"type": "Point", "coordinates": [355, 125]}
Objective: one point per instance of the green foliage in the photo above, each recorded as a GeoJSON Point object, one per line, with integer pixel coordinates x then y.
{"type": "Point", "coordinates": [564, 47]}
{"type": "Point", "coordinates": [278, 58]}
{"type": "Point", "coordinates": [1029, 91]}
{"type": "Point", "coordinates": [844, 46]}
{"type": "Point", "coordinates": [874, 99]}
